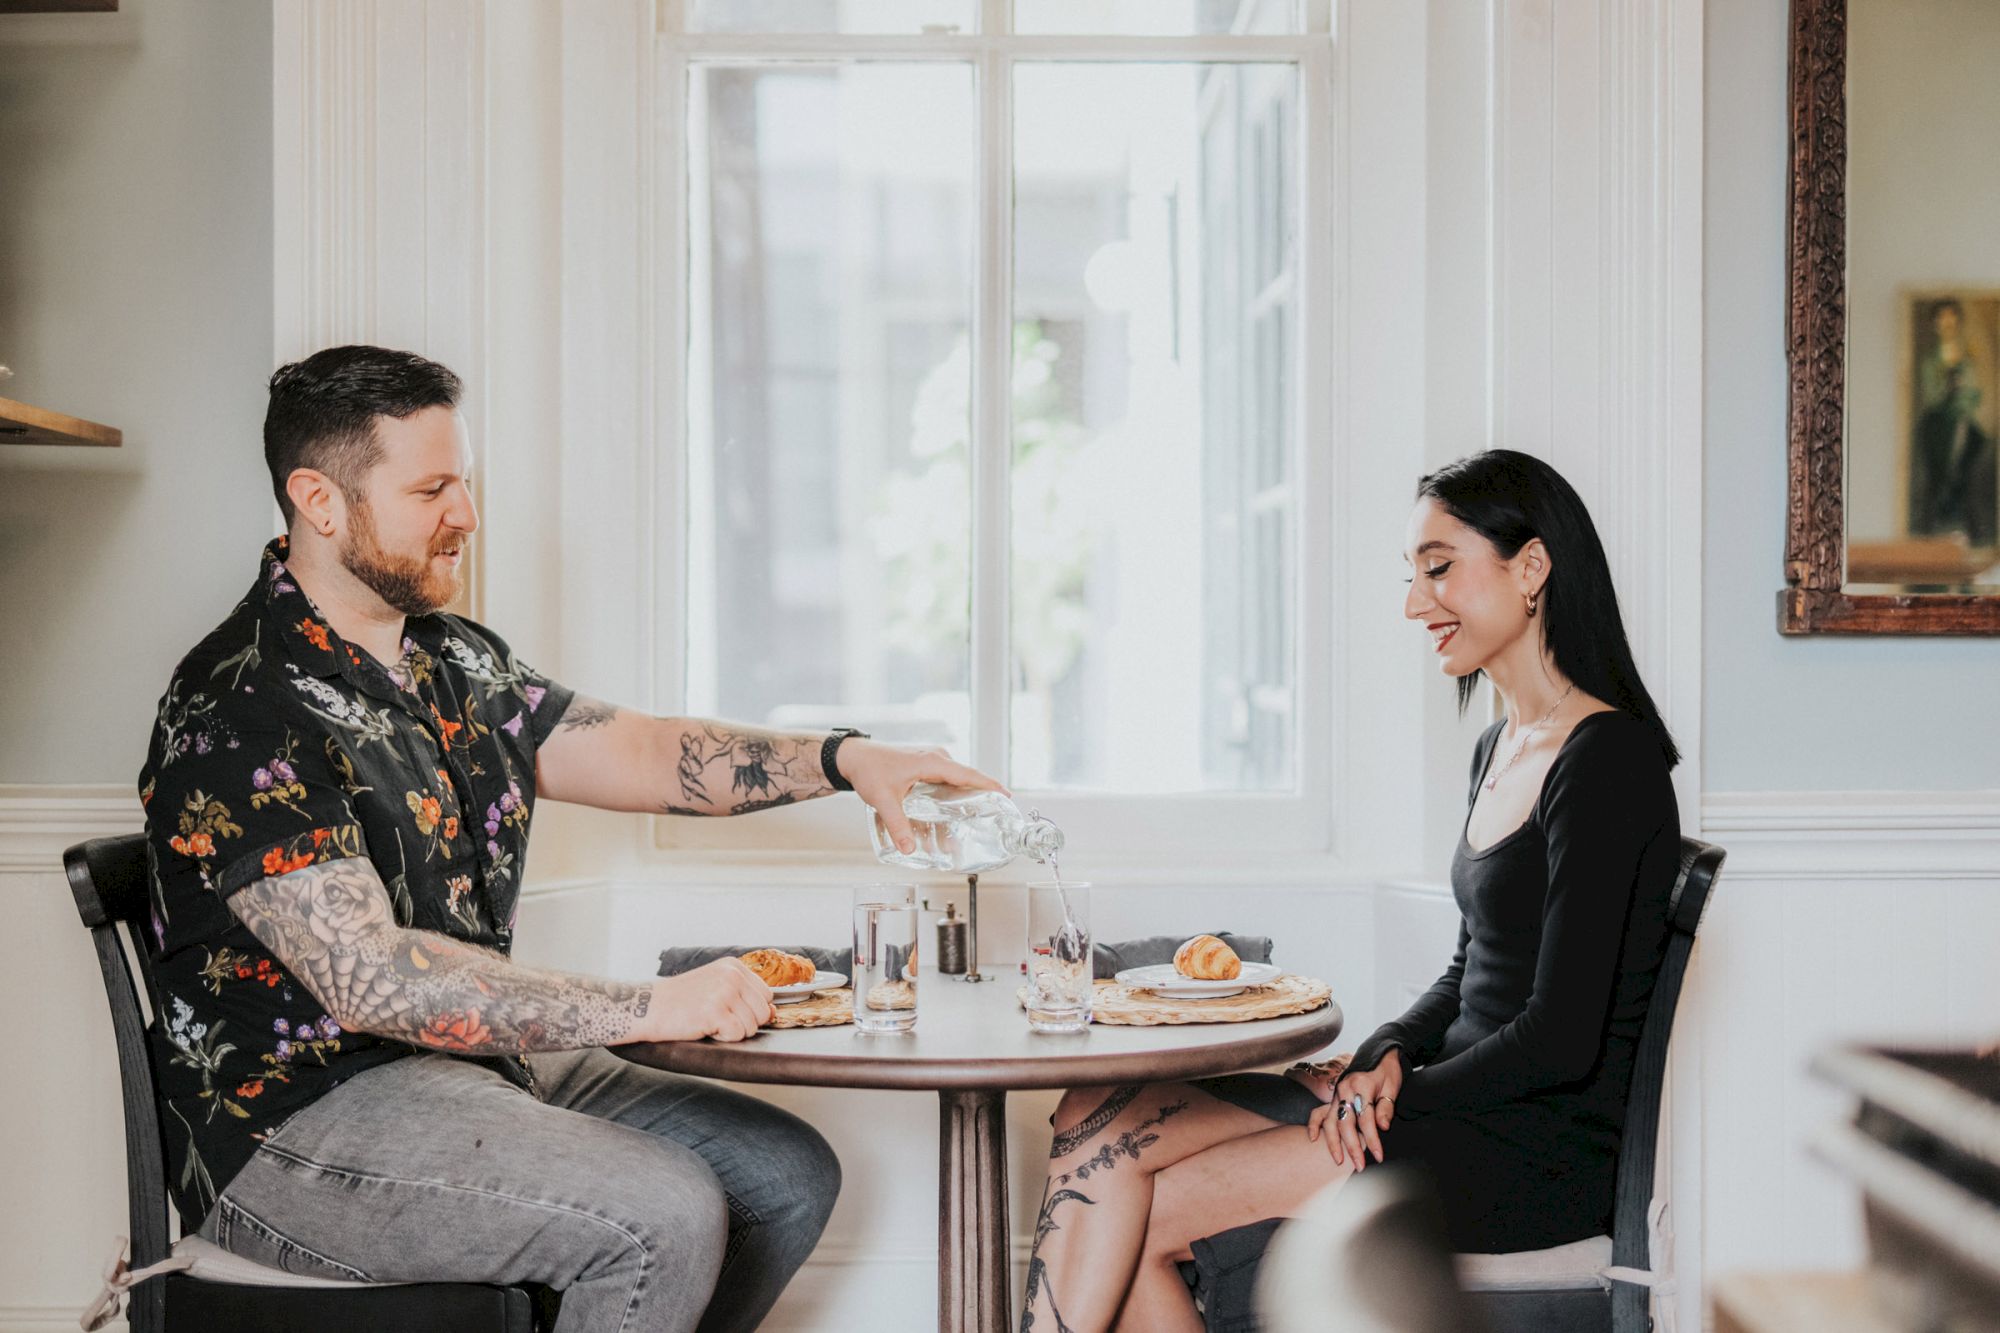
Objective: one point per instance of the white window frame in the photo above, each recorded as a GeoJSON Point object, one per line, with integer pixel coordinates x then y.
{"type": "Point", "coordinates": [1136, 828]}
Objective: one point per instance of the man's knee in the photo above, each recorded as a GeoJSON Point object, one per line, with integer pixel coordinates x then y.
{"type": "Point", "coordinates": [674, 1214]}
{"type": "Point", "coordinates": [807, 1166]}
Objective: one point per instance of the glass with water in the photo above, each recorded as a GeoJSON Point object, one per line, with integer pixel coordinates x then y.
{"type": "Point", "coordinates": [885, 957]}
{"type": "Point", "coordinates": [1059, 956]}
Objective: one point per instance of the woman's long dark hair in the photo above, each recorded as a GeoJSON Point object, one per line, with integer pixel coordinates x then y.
{"type": "Point", "coordinates": [1510, 498]}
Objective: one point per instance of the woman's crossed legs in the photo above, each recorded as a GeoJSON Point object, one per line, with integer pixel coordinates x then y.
{"type": "Point", "coordinates": [1136, 1174]}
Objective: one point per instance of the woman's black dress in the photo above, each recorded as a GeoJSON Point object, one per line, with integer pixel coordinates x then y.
{"type": "Point", "coordinates": [1518, 1060]}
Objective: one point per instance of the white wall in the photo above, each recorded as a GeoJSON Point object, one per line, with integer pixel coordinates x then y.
{"type": "Point", "coordinates": [1853, 780]}
{"type": "Point", "coordinates": [1819, 713]}
{"type": "Point", "coordinates": [135, 289]}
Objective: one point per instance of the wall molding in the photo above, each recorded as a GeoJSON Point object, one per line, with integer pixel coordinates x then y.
{"type": "Point", "coordinates": [48, 1318]}
{"type": "Point", "coordinates": [1855, 835]}
{"type": "Point", "coordinates": [38, 822]}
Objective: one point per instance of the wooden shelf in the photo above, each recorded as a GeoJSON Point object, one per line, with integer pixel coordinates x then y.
{"type": "Point", "coordinates": [21, 424]}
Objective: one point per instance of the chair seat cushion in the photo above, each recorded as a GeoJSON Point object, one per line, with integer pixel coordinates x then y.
{"type": "Point", "coordinates": [1577, 1264]}
{"type": "Point", "coordinates": [212, 1263]}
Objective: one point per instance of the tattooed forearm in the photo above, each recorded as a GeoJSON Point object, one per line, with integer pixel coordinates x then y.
{"type": "Point", "coordinates": [724, 769]}
{"type": "Point", "coordinates": [1087, 1128]}
{"type": "Point", "coordinates": [332, 927]}
{"type": "Point", "coordinates": [583, 714]}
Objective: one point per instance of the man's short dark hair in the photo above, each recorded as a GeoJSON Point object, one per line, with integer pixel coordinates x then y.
{"type": "Point", "coordinates": [323, 410]}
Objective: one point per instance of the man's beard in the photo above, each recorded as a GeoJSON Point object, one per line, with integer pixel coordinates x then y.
{"type": "Point", "coordinates": [409, 585]}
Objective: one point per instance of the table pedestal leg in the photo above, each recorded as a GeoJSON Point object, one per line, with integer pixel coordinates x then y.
{"type": "Point", "coordinates": [975, 1273]}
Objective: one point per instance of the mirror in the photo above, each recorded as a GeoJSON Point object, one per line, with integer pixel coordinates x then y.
{"type": "Point", "coordinates": [1894, 336]}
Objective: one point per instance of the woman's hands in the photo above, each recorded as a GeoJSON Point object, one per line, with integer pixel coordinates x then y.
{"type": "Point", "coordinates": [1317, 1076]}
{"type": "Point", "coordinates": [1355, 1134]}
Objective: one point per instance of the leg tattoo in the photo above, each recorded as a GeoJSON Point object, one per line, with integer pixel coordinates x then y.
{"type": "Point", "coordinates": [1128, 1145]}
{"type": "Point", "coordinates": [1084, 1130]}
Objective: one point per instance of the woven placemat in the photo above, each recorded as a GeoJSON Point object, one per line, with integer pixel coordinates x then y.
{"type": "Point", "coordinates": [831, 1008]}
{"type": "Point", "coordinates": [821, 1009]}
{"type": "Point", "coordinates": [1129, 1007]}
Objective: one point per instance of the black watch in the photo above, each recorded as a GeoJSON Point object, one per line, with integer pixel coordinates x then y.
{"type": "Point", "coordinates": [826, 750]}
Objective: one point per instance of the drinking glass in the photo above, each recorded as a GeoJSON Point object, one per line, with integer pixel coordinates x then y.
{"type": "Point", "coordinates": [1059, 956]}
{"type": "Point", "coordinates": [885, 957]}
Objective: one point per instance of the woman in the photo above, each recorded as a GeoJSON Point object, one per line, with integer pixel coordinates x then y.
{"type": "Point", "coordinates": [1508, 1078]}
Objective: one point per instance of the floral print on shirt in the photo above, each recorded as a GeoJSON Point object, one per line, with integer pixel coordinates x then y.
{"type": "Point", "coordinates": [278, 745]}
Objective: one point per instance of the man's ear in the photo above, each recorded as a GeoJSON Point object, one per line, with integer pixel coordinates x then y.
{"type": "Point", "coordinates": [316, 499]}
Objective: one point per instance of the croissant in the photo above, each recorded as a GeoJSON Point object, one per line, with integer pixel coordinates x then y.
{"type": "Point", "coordinates": [778, 968]}
{"type": "Point", "coordinates": [1206, 958]}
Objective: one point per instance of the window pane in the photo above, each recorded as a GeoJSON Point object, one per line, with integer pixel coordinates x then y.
{"type": "Point", "coordinates": [1163, 18]}
{"type": "Point", "coordinates": [870, 16]}
{"type": "Point", "coordinates": [829, 518]}
{"type": "Point", "coordinates": [1155, 502]}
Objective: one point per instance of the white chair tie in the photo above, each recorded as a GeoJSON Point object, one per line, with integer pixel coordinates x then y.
{"type": "Point", "coordinates": [1659, 1280]}
{"type": "Point", "coordinates": [118, 1283]}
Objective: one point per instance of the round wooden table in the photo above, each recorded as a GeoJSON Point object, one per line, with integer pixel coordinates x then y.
{"type": "Point", "coordinates": [972, 1046]}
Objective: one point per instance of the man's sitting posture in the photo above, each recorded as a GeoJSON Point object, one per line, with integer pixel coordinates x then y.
{"type": "Point", "coordinates": [358, 1081]}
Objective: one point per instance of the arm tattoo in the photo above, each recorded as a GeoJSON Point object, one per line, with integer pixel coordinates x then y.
{"type": "Point", "coordinates": [724, 769]}
{"type": "Point", "coordinates": [583, 714]}
{"type": "Point", "coordinates": [332, 926]}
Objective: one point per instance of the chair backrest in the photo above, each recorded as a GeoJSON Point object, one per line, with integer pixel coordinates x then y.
{"type": "Point", "coordinates": [1631, 1244]}
{"type": "Point", "coordinates": [108, 877]}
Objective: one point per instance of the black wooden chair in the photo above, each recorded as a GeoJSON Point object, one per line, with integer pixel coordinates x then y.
{"type": "Point", "coordinates": [1600, 1285]}
{"type": "Point", "coordinates": [1538, 1290]}
{"type": "Point", "coordinates": [108, 877]}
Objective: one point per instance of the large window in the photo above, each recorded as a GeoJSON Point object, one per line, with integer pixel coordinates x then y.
{"type": "Point", "coordinates": [991, 422]}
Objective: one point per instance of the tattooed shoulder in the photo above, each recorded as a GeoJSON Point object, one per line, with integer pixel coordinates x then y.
{"type": "Point", "coordinates": [583, 714]}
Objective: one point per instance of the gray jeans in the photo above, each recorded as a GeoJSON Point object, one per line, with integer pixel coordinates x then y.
{"type": "Point", "coordinates": [632, 1190]}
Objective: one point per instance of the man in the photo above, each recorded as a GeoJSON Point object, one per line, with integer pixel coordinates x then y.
{"type": "Point", "coordinates": [357, 1080]}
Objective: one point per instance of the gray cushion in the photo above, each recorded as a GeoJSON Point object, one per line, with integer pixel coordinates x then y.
{"type": "Point", "coordinates": [1577, 1264]}
{"type": "Point", "coordinates": [1108, 959]}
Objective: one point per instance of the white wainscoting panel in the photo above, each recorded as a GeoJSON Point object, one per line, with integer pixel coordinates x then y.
{"type": "Point", "coordinates": [59, 1112]}
{"type": "Point", "coordinates": [1839, 916]}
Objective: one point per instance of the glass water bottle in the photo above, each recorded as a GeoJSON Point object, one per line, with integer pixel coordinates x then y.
{"type": "Point", "coordinates": [964, 831]}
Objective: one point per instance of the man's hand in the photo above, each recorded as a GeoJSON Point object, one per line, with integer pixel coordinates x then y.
{"type": "Point", "coordinates": [723, 999]}
{"type": "Point", "coordinates": [1353, 1135]}
{"type": "Point", "coordinates": [882, 775]}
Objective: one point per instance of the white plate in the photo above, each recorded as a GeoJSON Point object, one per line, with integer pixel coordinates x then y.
{"type": "Point", "coordinates": [798, 990]}
{"type": "Point", "coordinates": [1162, 979]}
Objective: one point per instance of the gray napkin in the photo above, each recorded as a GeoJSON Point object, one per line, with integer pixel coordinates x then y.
{"type": "Point", "coordinates": [1107, 959]}
{"type": "Point", "coordinates": [673, 962]}
{"type": "Point", "coordinates": [1111, 959]}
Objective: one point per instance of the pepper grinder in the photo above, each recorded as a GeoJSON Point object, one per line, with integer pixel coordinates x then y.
{"type": "Point", "coordinates": [951, 937]}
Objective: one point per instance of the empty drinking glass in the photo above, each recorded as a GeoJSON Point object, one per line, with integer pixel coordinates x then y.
{"type": "Point", "coordinates": [1059, 956]}
{"type": "Point", "coordinates": [885, 957]}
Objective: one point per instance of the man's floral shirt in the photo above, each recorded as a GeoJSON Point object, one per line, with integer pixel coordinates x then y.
{"type": "Point", "coordinates": [278, 746]}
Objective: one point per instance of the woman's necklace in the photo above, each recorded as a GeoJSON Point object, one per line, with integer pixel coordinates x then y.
{"type": "Point", "coordinates": [1521, 741]}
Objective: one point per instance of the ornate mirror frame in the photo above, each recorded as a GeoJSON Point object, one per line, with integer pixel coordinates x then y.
{"type": "Point", "coordinates": [1814, 601]}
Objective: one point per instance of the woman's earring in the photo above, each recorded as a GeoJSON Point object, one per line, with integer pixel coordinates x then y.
{"type": "Point", "coordinates": [1533, 598]}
